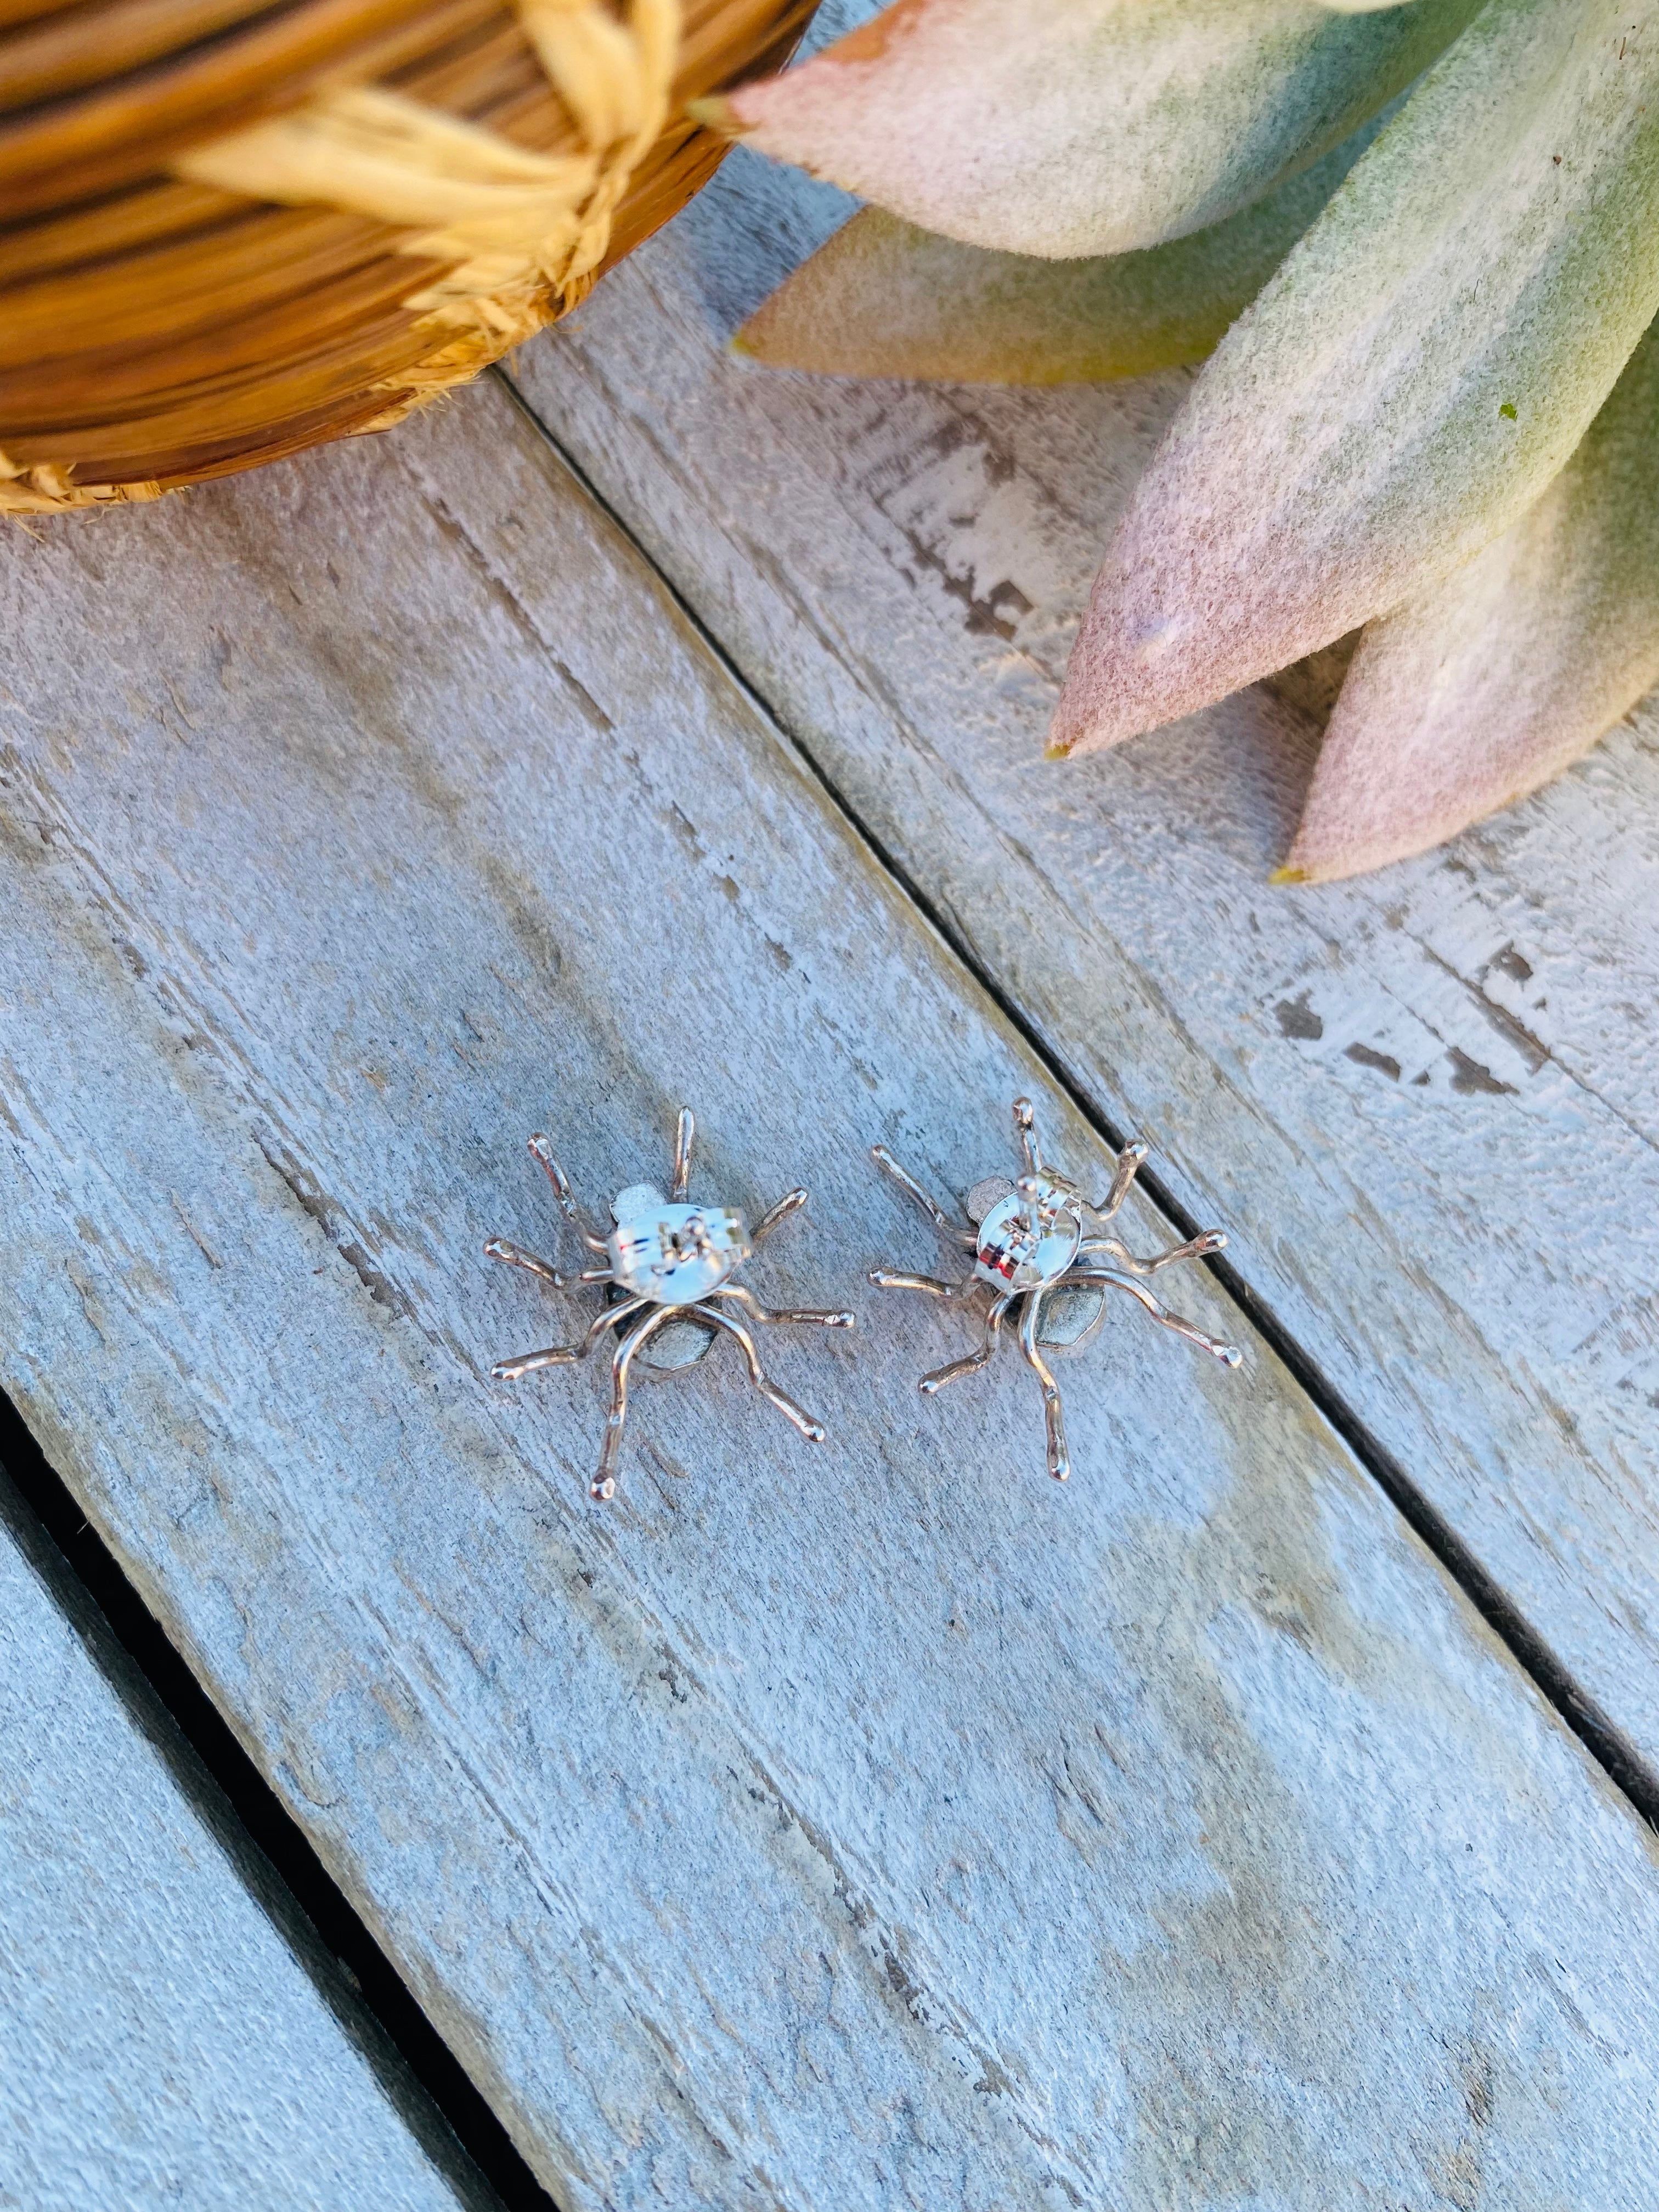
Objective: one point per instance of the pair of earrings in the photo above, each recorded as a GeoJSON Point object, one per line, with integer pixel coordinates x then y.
{"type": "Point", "coordinates": [667, 1269]}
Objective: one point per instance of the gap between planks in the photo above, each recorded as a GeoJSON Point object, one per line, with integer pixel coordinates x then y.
{"type": "Point", "coordinates": [1596, 1729]}
{"type": "Point", "coordinates": [273, 1854]}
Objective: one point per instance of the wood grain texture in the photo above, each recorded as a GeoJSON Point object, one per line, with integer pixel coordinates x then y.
{"type": "Point", "coordinates": [876, 1826]}
{"type": "Point", "coordinates": [1428, 1102]}
{"type": "Point", "coordinates": [160, 2043]}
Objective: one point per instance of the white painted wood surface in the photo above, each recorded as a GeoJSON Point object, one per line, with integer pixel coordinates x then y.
{"type": "Point", "coordinates": [160, 2043]}
{"type": "Point", "coordinates": [1428, 1102]}
{"type": "Point", "coordinates": [876, 1826]}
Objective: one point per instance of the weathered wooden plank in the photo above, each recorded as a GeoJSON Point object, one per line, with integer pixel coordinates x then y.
{"type": "Point", "coordinates": [874, 1825]}
{"type": "Point", "coordinates": [1429, 1100]}
{"type": "Point", "coordinates": [160, 2043]}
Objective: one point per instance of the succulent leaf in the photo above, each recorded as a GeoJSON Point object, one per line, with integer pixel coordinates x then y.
{"type": "Point", "coordinates": [1420, 367]}
{"type": "Point", "coordinates": [883, 298]}
{"type": "Point", "coordinates": [1085, 127]}
{"type": "Point", "coordinates": [1469, 698]}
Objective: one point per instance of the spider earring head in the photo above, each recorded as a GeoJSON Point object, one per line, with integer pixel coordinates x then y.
{"type": "Point", "coordinates": [1037, 1266]}
{"type": "Point", "coordinates": [667, 1268]}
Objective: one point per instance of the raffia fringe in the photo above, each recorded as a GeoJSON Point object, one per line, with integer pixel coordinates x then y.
{"type": "Point", "coordinates": [48, 488]}
{"type": "Point", "coordinates": [522, 233]}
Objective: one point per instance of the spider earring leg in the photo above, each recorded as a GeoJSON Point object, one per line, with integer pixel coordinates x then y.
{"type": "Point", "coordinates": [950, 1231]}
{"type": "Point", "coordinates": [514, 1255]}
{"type": "Point", "coordinates": [740, 1295]}
{"type": "Point", "coordinates": [564, 1355]}
{"type": "Point", "coordinates": [973, 1361]}
{"type": "Point", "coordinates": [685, 1136]}
{"type": "Point", "coordinates": [1025, 1125]}
{"type": "Point", "coordinates": [1059, 1464]}
{"type": "Point", "coordinates": [1195, 1248]}
{"type": "Point", "coordinates": [562, 1192]}
{"type": "Point", "coordinates": [604, 1484]}
{"type": "Point", "coordinates": [886, 1280]}
{"type": "Point", "coordinates": [1130, 1161]}
{"type": "Point", "coordinates": [812, 1430]}
{"type": "Point", "coordinates": [1227, 1354]}
{"type": "Point", "coordinates": [775, 1216]}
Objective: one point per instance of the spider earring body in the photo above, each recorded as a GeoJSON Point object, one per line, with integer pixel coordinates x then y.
{"type": "Point", "coordinates": [667, 1271]}
{"type": "Point", "coordinates": [1028, 1240]}
{"type": "Point", "coordinates": [673, 1256]}
{"type": "Point", "coordinates": [1047, 1275]}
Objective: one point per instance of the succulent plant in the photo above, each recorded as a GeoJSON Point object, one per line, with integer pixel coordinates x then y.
{"type": "Point", "coordinates": [1418, 241]}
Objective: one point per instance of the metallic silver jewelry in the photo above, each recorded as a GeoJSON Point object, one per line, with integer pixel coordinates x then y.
{"type": "Point", "coordinates": [667, 1268]}
{"type": "Point", "coordinates": [1030, 1253]}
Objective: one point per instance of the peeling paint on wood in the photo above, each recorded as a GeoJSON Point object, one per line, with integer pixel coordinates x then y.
{"type": "Point", "coordinates": [876, 1826]}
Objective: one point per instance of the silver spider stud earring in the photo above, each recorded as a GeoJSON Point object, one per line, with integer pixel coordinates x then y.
{"type": "Point", "coordinates": [667, 1268]}
{"type": "Point", "coordinates": [1031, 1253]}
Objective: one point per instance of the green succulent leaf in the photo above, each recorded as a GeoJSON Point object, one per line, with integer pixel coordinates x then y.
{"type": "Point", "coordinates": [1466, 699]}
{"type": "Point", "coordinates": [1420, 369]}
{"type": "Point", "coordinates": [1085, 126]}
{"type": "Point", "coordinates": [884, 298]}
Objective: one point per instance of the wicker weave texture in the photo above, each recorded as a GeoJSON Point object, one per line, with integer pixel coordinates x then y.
{"type": "Point", "coordinates": [229, 231]}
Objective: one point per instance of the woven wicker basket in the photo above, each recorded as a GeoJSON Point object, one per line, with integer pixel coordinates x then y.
{"type": "Point", "coordinates": [230, 230]}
